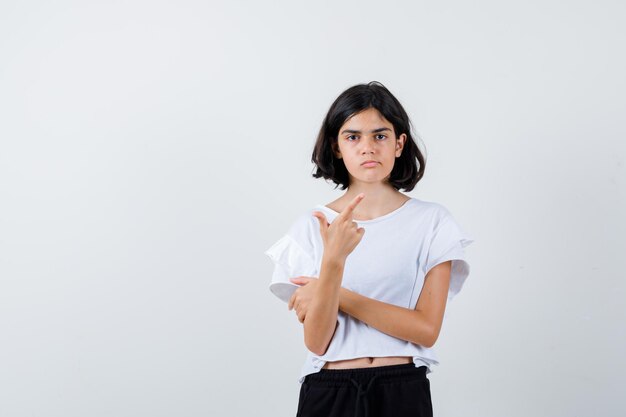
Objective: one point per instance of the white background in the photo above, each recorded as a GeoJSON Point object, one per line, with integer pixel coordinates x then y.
{"type": "Point", "coordinates": [151, 151]}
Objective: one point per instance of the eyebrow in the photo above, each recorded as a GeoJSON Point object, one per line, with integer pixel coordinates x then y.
{"type": "Point", "coordinates": [380, 129]}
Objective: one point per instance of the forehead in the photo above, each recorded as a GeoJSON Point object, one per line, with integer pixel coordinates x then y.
{"type": "Point", "coordinates": [366, 117]}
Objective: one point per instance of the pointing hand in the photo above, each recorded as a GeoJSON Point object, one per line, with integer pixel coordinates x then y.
{"type": "Point", "coordinates": [342, 235]}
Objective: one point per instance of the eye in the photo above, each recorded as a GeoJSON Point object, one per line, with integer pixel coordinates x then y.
{"type": "Point", "coordinates": [351, 136]}
{"type": "Point", "coordinates": [383, 136]}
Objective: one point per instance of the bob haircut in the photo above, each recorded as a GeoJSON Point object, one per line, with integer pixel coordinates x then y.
{"type": "Point", "coordinates": [408, 168]}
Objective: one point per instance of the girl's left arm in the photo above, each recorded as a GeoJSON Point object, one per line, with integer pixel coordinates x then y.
{"type": "Point", "coordinates": [420, 326]}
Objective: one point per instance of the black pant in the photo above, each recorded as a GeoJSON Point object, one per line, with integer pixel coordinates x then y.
{"type": "Point", "coordinates": [381, 391]}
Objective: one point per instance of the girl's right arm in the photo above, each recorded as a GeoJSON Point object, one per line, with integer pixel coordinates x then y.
{"type": "Point", "coordinates": [321, 318]}
{"type": "Point", "coordinates": [340, 238]}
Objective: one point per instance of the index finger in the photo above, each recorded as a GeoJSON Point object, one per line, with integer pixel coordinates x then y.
{"type": "Point", "coordinates": [350, 207]}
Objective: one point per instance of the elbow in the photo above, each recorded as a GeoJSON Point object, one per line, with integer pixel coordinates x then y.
{"type": "Point", "coordinates": [429, 342]}
{"type": "Point", "coordinates": [316, 348]}
{"type": "Point", "coordinates": [318, 345]}
{"type": "Point", "coordinates": [319, 352]}
{"type": "Point", "coordinates": [312, 342]}
{"type": "Point", "coordinates": [429, 337]}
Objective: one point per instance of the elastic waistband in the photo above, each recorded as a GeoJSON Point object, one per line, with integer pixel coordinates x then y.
{"type": "Point", "coordinates": [382, 373]}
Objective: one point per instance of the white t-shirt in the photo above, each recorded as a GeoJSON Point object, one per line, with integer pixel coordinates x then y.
{"type": "Point", "coordinates": [389, 264]}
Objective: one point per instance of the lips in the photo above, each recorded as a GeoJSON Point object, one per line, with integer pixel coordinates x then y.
{"type": "Point", "coordinates": [368, 162]}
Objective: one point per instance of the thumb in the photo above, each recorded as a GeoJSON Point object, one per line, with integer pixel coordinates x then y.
{"type": "Point", "coordinates": [298, 280]}
{"type": "Point", "coordinates": [323, 222]}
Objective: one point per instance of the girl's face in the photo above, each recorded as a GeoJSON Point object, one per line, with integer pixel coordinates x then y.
{"type": "Point", "coordinates": [368, 136]}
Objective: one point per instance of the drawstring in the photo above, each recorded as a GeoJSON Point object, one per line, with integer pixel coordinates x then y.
{"type": "Point", "coordinates": [362, 393]}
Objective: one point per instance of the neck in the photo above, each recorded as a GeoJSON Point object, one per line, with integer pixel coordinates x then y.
{"type": "Point", "coordinates": [378, 199]}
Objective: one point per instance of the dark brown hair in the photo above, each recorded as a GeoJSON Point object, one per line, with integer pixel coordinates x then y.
{"type": "Point", "coordinates": [408, 168]}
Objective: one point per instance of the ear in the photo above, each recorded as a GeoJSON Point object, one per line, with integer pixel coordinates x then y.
{"type": "Point", "coordinates": [400, 141]}
{"type": "Point", "coordinates": [335, 147]}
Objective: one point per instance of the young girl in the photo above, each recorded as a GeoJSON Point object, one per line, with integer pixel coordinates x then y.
{"type": "Point", "coordinates": [370, 273]}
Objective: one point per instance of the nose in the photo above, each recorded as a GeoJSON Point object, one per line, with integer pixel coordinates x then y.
{"type": "Point", "coordinates": [367, 145]}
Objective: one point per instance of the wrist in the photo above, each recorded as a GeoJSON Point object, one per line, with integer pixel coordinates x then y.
{"type": "Point", "coordinates": [333, 261]}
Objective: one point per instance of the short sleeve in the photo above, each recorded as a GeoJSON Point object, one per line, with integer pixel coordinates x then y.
{"type": "Point", "coordinates": [448, 242]}
{"type": "Point", "coordinates": [290, 260]}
